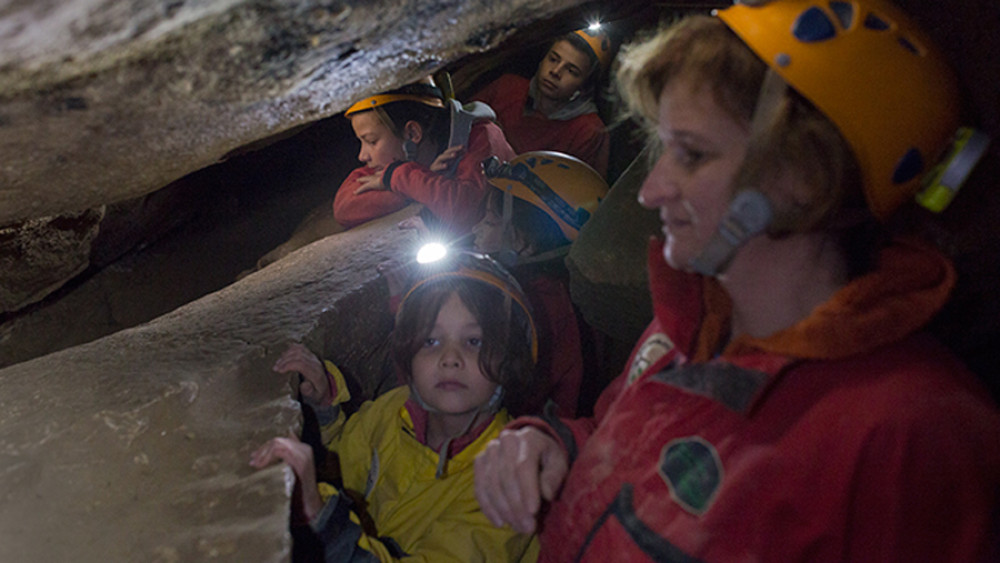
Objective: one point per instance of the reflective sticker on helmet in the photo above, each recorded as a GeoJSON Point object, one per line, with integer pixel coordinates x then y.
{"type": "Point", "coordinates": [844, 12]}
{"type": "Point", "coordinates": [908, 167]}
{"type": "Point", "coordinates": [876, 23]}
{"type": "Point", "coordinates": [909, 46]}
{"type": "Point", "coordinates": [813, 25]}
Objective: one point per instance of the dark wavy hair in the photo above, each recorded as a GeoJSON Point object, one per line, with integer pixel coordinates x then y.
{"type": "Point", "coordinates": [506, 354]}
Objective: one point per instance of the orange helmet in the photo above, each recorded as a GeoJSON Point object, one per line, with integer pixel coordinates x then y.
{"type": "Point", "coordinates": [564, 187]}
{"type": "Point", "coordinates": [379, 100]}
{"type": "Point", "coordinates": [423, 91]}
{"type": "Point", "coordinates": [599, 43]}
{"type": "Point", "coordinates": [868, 68]}
{"type": "Point", "coordinates": [448, 266]}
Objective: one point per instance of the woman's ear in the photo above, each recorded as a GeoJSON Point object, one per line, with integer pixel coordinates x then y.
{"type": "Point", "coordinates": [413, 131]}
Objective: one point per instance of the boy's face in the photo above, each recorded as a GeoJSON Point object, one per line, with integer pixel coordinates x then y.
{"type": "Point", "coordinates": [445, 369]}
{"type": "Point", "coordinates": [562, 71]}
{"type": "Point", "coordinates": [379, 147]}
{"type": "Point", "coordinates": [489, 233]}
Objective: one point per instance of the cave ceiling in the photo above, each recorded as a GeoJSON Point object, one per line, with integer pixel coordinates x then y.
{"type": "Point", "coordinates": [105, 100]}
{"type": "Point", "coordinates": [134, 446]}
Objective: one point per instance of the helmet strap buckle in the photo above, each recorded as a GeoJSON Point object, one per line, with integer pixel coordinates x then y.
{"type": "Point", "coordinates": [507, 255]}
{"type": "Point", "coordinates": [748, 215]}
{"type": "Point", "coordinates": [943, 182]}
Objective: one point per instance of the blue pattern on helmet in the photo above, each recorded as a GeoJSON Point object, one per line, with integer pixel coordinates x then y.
{"type": "Point", "coordinates": [908, 167]}
{"type": "Point", "coordinates": [813, 25]}
{"type": "Point", "coordinates": [844, 12]}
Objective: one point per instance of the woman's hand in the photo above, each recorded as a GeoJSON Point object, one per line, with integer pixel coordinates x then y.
{"type": "Point", "coordinates": [443, 160]}
{"type": "Point", "coordinates": [299, 457]}
{"type": "Point", "coordinates": [515, 473]}
{"type": "Point", "coordinates": [315, 385]}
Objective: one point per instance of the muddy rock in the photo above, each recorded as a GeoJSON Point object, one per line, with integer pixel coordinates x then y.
{"type": "Point", "coordinates": [135, 446]}
{"type": "Point", "coordinates": [39, 255]}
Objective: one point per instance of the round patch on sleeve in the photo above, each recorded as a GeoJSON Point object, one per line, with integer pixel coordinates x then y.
{"type": "Point", "coordinates": [692, 470]}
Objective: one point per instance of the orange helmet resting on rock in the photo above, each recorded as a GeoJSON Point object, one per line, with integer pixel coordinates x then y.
{"type": "Point", "coordinates": [876, 76]}
{"type": "Point", "coordinates": [564, 187]}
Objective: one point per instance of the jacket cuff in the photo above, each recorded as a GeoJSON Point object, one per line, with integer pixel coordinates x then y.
{"type": "Point", "coordinates": [387, 174]}
{"type": "Point", "coordinates": [565, 438]}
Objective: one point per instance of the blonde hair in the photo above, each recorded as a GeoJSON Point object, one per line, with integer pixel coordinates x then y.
{"type": "Point", "coordinates": [800, 140]}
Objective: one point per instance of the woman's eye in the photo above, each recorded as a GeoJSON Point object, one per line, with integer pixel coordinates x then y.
{"type": "Point", "coordinates": [430, 342]}
{"type": "Point", "coordinates": [476, 342]}
{"type": "Point", "coordinates": [688, 157]}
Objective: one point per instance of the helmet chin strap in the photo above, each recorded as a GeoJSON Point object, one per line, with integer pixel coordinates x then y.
{"type": "Point", "coordinates": [750, 211]}
{"type": "Point", "coordinates": [749, 214]}
{"type": "Point", "coordinates": [507, 256]}
{"type": "Point", "coordinates": [491, 406]}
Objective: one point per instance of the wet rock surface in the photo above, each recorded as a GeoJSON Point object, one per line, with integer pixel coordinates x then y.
{"type": "Point", "coordinates": [135, 446]}
{"type": "Point", "coordinates": [38, 256]}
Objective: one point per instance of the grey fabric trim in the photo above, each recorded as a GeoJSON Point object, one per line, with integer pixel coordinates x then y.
{"type": "Point", "coordinates": [326, 415]}
{"type": "Point", "coordinates": [387, 174]}
{"type": "Point", "coordinates": [651, 543]}
{"type": "Point", "coordinates": [733, 386]}
{"type": "Point", "coordinates": [338, 534]}
{"type": "Point", "coordinates": [575, 108]}
{"type": "Point", "coordinates": [565, 434]}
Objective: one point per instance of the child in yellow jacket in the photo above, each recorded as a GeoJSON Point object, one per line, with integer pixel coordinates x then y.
{"type": "Point", "coordinates": [465, 344]}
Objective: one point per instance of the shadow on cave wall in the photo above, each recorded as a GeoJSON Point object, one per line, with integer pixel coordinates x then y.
{"type": "Point", "coordinates": [191, 238]}
{"type": "Point", "coordinates": [201, 232]}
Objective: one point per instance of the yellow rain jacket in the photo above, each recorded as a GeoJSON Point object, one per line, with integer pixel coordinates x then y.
{"type": "Point", "coordinates": [415, 515]}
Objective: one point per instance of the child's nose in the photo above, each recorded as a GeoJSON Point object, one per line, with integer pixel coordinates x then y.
{"type": "Point", "coordinates": [450, 357]}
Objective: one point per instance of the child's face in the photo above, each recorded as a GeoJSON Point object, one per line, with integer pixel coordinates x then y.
{"type": "Point", "coordinates": [446, 370]}
{"type": "Point", "coordinates": [489, 233]}
{"type": "Point", "coordinates": [379, 147]}
{"type": "Point", "coordinates": [562, 71]}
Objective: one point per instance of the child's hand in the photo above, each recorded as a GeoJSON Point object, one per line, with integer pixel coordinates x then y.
{"type": "Point", "coordinates": [371, 183]}
{"type": "Point", "coordinates": [315, 385]}
{"type": "Point", "coordinates": [515, 472]}
{"type": "Point", "coordinates": [299, 457]}
{"type": "Point", "coordinates": [443, 160]}
{"type": "Point", "coordinates": [415, 223]}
